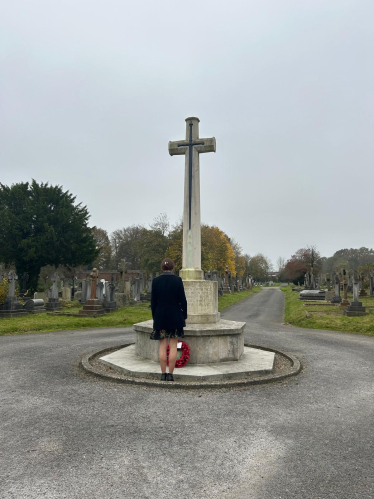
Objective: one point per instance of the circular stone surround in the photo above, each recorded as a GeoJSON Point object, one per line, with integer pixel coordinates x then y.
{"type": "Point", "coordinates": [291, 367]}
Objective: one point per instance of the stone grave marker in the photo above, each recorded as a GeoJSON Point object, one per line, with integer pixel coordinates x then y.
{"type": "Point", "coordinates": [53, 302]}
{"type": "Point", "coordinates": [11, 306]}
{"type": "Point", "coordinates": [355, 309]}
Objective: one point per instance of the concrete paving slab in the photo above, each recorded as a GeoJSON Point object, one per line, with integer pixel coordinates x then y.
{"type": "Point", "coordinates": [253, 361]}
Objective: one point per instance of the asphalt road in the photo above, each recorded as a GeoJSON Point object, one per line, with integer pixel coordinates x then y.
{"type": "Point", "coordinates": [66, 434]}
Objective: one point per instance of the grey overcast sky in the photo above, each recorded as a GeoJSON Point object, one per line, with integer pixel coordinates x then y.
{"type": "Point", "coordinates": [92, 91]}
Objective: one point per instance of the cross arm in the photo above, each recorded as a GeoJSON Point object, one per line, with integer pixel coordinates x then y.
{"type": "Point", "coordinates": [180, 146]}
{"type": "Point", "coordinates": [209, 145]}
{"type": "Point", "coordinates": [174, 149]}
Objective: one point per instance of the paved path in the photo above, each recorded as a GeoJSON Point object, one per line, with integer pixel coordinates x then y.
{"type": "Point", "coordinates": [65, 434]}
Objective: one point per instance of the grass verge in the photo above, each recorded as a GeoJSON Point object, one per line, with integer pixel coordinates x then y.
{"type": "Point", "coordinates": [123, 317]}
{"type": "Point", "coordinates": [228, 300]}
{"type": "Point", "coordinates": [327, 317]}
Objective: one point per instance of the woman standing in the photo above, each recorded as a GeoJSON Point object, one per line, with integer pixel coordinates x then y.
{"type": "Point", "coordinates": [169, 312]}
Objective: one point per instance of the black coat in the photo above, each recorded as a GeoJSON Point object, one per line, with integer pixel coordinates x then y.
{"type": "Point", "coordinates": [168, 302]}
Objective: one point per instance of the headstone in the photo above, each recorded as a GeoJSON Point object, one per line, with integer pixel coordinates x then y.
{"type": "Point", "coordinates": [110, 304]}
{"type": "Point", "coordinates": [84, 291]}
{"type": "Point", "coordinates": [336, 298]}
{"type": "Point", "coordinates": [66, 293]}
{"type": "Point", "coordinates": [11, 306]}
{"type": "Point", "coordinates": [149, 287]}
{"type": "Point", "coordinates": [355, 309]}
{"type": "Point", "coordinates": [362, 281]}
{"type": "Point", "coordinates": [88, 288]}
{"type": "Point", "coordinates": [53, 302]}
{"type": "Point", "coordinates": [135, 290]}
{"type": "Point", "coordinates": [100, 291]}
{"type": "Point", "coordinates": [93, 307]}
{"type": "Point", "coordinates": [312, 294]}
{"type": "Point", "coordinates": [345, 301]}
{"type": "Point", "coordinates": [350, 283]}
{"type": "Point", "coordinates": [226, 285]}
{"type": "Point", "coordinates": [35, 306]}
{"type": "Point", "coordinates": [371, 284]}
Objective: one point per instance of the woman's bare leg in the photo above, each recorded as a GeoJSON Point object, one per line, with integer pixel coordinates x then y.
{"type": "Point", "coordinates": [162, 354]}
{"type": "Point", "coordinates": [172, 353]}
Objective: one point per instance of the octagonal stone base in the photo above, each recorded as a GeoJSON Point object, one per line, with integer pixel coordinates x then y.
{"type": "Point", "coordinates": [209, 343]}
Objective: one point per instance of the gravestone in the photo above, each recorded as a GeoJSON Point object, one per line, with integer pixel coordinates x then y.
{"type": "Point", "coordinates": [362, 282]}
{"type": "Point", "coordinates": [226, 285]}
{"type": "Point", "coordinates": [135, 291]}
{"type": "Point", "coordinates": [53, 302]}
{"type": "Point", "coordinates": [110, 304]}
{"type": "Point", "coordinates": [11, 306]}
{"type": "Point", "coordinates": [93, 307]}
{"type": "Point", "coordinates": [100, 291]}
{"type": "Point", "coordinates": [336, 298]}
{"type": "Point", "coordinates": [355, 309]}
{"type": "Point", "coordinates": [345, 301]}
{"type": "Point", "coordinates": [149, 287]}
{"type": "Point", "coordinates": [66, 293]}
{"type": "Point", "coordinates": [312, 294]}
{"type": "Point", "coordinates": [83, 298]}
{"type": "Point", "coordinates": [371, 285]}
{"type": "Point", "coordinates": [35, 306]}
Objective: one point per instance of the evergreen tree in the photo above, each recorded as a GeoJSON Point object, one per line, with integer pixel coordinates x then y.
{"type": "Point", "coordinates": [40, 225]}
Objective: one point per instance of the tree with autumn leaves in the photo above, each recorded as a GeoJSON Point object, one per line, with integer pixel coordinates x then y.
{"type": "Point", "coordinates": [216, 250]}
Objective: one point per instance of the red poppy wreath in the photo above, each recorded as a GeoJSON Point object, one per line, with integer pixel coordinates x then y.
{"type": "Point", "coordinates": [184, 357]}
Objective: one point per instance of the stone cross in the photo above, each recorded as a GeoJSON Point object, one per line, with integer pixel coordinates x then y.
{"type": "Point", "coordinates": [12, 277]}
{"type": "Point", "coordinates": [55, 278]}
{"type": "Point", "coordinates": [192, 147]}
{"type": "Point", "coordinates": [356, 284]}
{"type": "Point", "coordinates": [94, 275]}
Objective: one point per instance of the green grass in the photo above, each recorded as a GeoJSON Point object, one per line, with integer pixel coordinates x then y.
{"type": "Point", "coordinates": [228, 300]}
{"type": "Point", "coordinates": [123, 317]}
{"type": "Point", "coordinates": [327, 317]}
{"type": "Point", "coordinates": [41, 323]}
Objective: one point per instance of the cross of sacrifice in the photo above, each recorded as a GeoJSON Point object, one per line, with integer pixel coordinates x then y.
{"type": "Point", "coordinates": [192, 147]}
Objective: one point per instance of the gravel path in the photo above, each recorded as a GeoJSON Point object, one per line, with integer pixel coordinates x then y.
{"type": "Point", "coordinates": [65, 434]}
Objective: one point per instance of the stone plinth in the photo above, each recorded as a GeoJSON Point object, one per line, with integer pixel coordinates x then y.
{"type": "Point", "coordinates": [11, 308]}
{"type": "Point", "coordinates": [53, 304]}
{"type": "Point", "coordinates": [202, 299]}
{"type": "Point", "coordinates": [209, 343]}
{"type": "Point", "coordinates": [355, 309]}
{"type": "Point", "coordinates": [92, 307]}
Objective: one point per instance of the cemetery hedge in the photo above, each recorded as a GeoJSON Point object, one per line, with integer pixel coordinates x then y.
{"type": "Point", "coordinates": [327, 317]}
{"type": "Point", "coordinates": [124, 317]}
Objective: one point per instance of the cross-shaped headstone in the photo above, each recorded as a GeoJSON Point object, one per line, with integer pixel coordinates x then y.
{"type": "Point", "coordinates": [12, 277]}
{"type": "Point", "coordinates": [192, 147]}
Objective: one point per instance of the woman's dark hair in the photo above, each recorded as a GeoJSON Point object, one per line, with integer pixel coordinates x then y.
{"type": "Point", "coordinates": [167, 264]}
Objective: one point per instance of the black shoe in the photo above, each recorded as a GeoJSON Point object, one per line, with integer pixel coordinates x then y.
{"type": "Point", "coordinates": [169, 377]}
{"type": "Point", "coordinates": [163, 377]}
